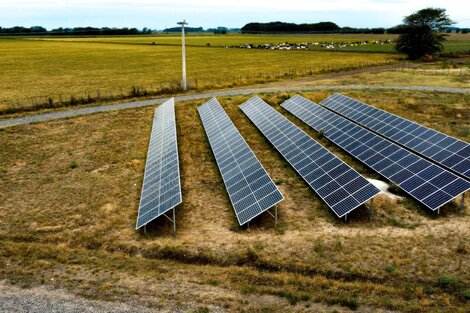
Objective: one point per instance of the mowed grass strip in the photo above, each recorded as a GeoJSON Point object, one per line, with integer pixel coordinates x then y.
{"type": "Point", "coordinates": [64, 72]}
{"type": "Point", "coordinates": [70, 192]}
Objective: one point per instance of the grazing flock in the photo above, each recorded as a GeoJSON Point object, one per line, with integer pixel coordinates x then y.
{"type": "Point", "coordinates": [311, 45]}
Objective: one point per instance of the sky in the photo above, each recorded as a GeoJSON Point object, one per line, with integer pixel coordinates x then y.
{"type": "Point", "coordinates": [157, 14]}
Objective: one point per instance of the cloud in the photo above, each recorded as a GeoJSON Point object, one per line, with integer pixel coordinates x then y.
{"type": "Point", "coordinates": [373, 12]}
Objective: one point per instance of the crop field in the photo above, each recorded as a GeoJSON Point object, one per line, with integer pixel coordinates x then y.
{"type": "Point", "coordinates": [54, 73]}
{"type": "Point", "coordinates": [69, 203]}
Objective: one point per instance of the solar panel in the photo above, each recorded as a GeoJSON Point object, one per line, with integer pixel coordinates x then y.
{"type": "Point", "coordinates": [250, 189]}
{"type": "Point", "coordinates": [161, 188]}
{"type": "Point", "coordinates": [428, 183]}
{"type": "Point", "coordinates": [340, 187]}
{"type": "Point", "coordinates": [445, 150]}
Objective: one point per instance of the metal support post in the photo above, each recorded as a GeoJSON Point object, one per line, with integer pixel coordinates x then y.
{"type": "Point", "coordinates": [275, 216]}
{"type": "Point", "coordinates": [145, 230]}
{"type": "Point", "coordinates": [183, 53]}
{"type": "Point", "coordinates": [371, 208]}
{"type": "Point", "coordinates": [174, 222]}
{"type": "Point", "coordinates": [462, 203]}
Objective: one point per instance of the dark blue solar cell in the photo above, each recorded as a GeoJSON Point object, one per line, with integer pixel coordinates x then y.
{"type": "Point", "coordinates": [345, 205]}
{"type": "Point", "coordinates": [442, 179]}
{"type": "Point", "coordinates": [408, 160]}
{"type": "Point", "coordinates": [339, 170]}
{"type": "Point", "coordinates": [401, 176]}
{"type": "Point", "coordinates": [346, 177]}
{"type": "Point", "coordinates": [453, 159]}
{"type": "Point", "coordinates": [430, 172]}
{"type": "Point", "coordinates": [418, 166]}
{"type": "Point", "coordinates": [321, 181]}
{"type": "Point", "coordinates": [373, 159]}
{"type": "Point", "coordinates": [354, 185]}
{"type": "Point", "coordinates": [327, 189]}
{"type": "Point", "coordinates": [437, 199]}
{"type": "Point", "coordinates": [446, 142]}
{"type": "Point", "coordinates": [412, 183]}
{"type": "Point", "coordinates": [423, 146]}
{"type": "Point", "coordinates": [381, 165]}
{"type": "Point", "coordinates": [398, 155]}
{"type": "Point", "coordinates": [462, 167]}
{"type": "Point", "coordinates": [405, 139]}
{"type": "Point", "coordinates": [457, 187]}
{"type": "Point", "coordinates": [415, 142]}
{"type": "Point", "coordinates": [364, 194]}
{"type": "Point", "coordinates": [336, 196]}
{"type": "Point", "coordinates": [442, 155]}
{"type": "Point", "coordinates": [464, 152]}
{"type": "Point", "coordinates": [431, 151]}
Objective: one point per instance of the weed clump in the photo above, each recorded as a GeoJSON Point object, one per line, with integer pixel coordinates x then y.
{"type": "Point", "coordinates": [390, 268]}
{"type": "Point", "coordinates": [447, 281]}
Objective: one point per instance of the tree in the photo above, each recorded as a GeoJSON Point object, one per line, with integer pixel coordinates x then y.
{"type": "Point", "coordinates": [421, 33]}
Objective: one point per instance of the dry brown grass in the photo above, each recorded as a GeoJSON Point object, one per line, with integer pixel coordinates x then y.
{"type": "Point", "coordinates": [69, 197]}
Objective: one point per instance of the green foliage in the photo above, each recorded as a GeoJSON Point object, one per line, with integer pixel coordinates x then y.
{"type": "Point", "coordinates": [466, 294]}
{"type": "Point", "coordinates": [447, 280]}
{"type": "Point", "coordinates": [279, 181]}
{"type": "Point", "coordinates": [434, 18]}
{"type": "Point", "coordinates": [73, 165]}
{"type": "Point", "coordinates": [390, 268]}
{"type": "Point", "coordinates": [420, 35]}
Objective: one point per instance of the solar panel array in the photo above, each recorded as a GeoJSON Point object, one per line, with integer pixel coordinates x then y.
{"type": "Point", "coordinates": [249, 186]}
{"type": "Point", "coordinates": [340, 186]}
{"type": "Point", "coordinates": [161, 189]}
{"type": "Point", "coordinates": [447, 151]}
{"type": "Point", "coordinates": [428, 183]}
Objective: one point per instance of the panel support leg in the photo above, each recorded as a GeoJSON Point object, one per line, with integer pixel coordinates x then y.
{"type": "Point", "coordinates": [248, 225]}
{"type": "Point", "coordinates": [275, 216]}
{"type": "Point", "coordinates": [346, 218]}
{"type": "Point", "coordinates": [371, 209]}
{"type": "Point", "coordinates": [462, 204]}
{"type": "Point", "coordinates": [174, 222]}
{"type": "Point", "coordinates": [145, 230]}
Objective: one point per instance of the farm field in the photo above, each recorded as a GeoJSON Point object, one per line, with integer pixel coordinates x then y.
{"type": "Point", "coordinates": [38, 72]}
{"type": "Point", "coordinates": [69, 204]}
{"type": "Point", "coordinates": [455, 42]}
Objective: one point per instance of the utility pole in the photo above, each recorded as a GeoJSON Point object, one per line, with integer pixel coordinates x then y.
{"type": "Point", "coordinates": [183, 52]}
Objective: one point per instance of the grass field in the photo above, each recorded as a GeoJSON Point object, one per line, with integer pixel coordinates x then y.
{"type": "Point", "coordinates": [54, 73]}
{"type": "Point", "coordinates": [445, 74]}
{"type": "Point", "coordinates": [69, 202]}
{"type": "Point", "coordinates": [455, 42]}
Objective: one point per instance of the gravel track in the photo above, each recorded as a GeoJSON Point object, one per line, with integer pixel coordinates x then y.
{"type": "Point", "coordinates": [42, 300]}
{"type": "Point", "coordinates": [233, 92]}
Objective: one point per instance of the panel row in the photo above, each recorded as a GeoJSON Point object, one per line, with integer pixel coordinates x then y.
{"type": "Point", "coordinates": [340, 186]}
{"type": "Point", "coordinates": [445, 150]}
{"type": "Point", "coordinates": [161, 188]}
{"type": "Point", "coordinates": [248, 185]}
{"type": "Point", "coordinates": [426, 182]}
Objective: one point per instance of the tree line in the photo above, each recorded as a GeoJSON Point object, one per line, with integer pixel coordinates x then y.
{"type": "Point", "coordinates": [39, 30]}
{"type": "Point", "coordinates": [321, 27]}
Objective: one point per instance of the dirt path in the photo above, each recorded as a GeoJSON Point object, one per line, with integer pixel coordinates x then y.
{"type": "Point", "coordinates": [283, 86]}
